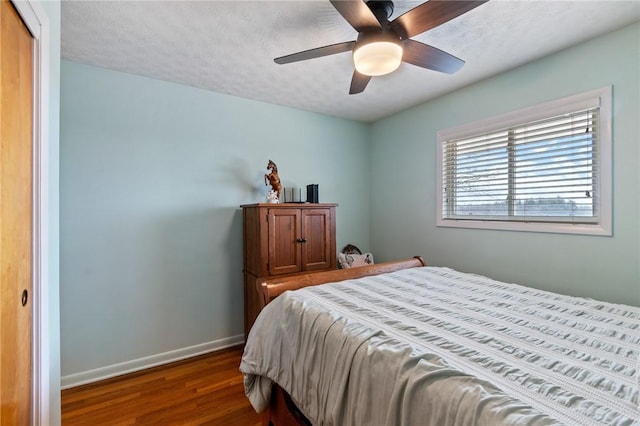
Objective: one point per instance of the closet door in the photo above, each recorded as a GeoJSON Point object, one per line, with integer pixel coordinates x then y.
{"type": "Point", "coordinates": [16, 207]}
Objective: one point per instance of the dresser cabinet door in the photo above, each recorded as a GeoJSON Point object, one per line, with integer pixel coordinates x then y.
{"type": "Point", "coordinates": [316, 236]}
{"type": "Point", "coordinates": [284, 248]}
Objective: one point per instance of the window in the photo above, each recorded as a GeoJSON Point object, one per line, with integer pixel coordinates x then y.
{"type": "Point", "coordinates": [546, 168]}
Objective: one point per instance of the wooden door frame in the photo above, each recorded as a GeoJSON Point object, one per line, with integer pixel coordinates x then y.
{"type": "Point", "coordinates": [37, 22]}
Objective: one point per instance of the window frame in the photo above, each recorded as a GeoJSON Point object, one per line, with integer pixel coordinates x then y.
{"type": "Point", "coordinates": [599, 97]}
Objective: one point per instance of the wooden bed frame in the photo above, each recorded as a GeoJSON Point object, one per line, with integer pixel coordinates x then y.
{"type": "Point", "coordinates": [282, 411]}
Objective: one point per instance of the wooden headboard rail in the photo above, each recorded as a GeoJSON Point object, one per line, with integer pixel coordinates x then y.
{"type": "Point", "coordinates": [271, 288]}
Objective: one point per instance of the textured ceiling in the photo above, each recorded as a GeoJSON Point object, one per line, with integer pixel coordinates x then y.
{"type": "Point", "coordinates": [229, 46]}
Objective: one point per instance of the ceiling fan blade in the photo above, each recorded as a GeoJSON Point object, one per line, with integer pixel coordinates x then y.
{"type": "Point", "coordinates": [429, 57]}
{"type": "Point", "coordinates": [316, 53]}
{"type": "Point", "coordinates": [358, 82]}
{"type": "Point", "coordinates": [429, 15]}
{"type": "Point", "coordinates": [357, 13]}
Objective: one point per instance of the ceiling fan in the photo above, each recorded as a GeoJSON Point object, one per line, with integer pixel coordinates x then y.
{"type": "Point", "coordinates": [382, 44]}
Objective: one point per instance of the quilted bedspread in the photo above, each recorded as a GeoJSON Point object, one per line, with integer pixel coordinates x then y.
{"type": "Point", "coordinates": [433, 346]}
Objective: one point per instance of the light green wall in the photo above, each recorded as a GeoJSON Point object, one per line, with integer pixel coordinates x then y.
{"type": "Point", "coordinates": [152, 175]}
{"type": "Point", "coordinates": [403, 177]}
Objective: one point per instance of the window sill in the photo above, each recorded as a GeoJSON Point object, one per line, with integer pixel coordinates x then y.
{"type": "Point", "coordinates": [555, 228]}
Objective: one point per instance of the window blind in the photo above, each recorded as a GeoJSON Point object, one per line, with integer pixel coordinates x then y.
{"type": "Point", "coordinates": [544, 170]}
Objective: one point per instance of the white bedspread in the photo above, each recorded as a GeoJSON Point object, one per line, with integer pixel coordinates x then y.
{"type": "Point", "coordinates": [433, 346]}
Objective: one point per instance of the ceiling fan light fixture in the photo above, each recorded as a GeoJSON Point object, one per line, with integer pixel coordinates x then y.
{"type": "Point", "coordinates": [377, 58]}
{"type": "Point", "coordinates": [383, 44]}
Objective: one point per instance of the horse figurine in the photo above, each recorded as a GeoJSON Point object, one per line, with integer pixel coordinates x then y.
{"type": "Point", "coordinates": [273, 178]}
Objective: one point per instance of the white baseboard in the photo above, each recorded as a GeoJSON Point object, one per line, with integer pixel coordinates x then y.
{"type": "Point", "coordinates": [119, 369]}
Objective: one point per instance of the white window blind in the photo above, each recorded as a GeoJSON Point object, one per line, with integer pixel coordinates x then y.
{"type": "Point", "coordinates": [546, 170]}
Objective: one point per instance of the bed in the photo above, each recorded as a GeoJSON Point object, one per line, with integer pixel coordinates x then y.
{"type": "Point", "coordinates": [401, 343]}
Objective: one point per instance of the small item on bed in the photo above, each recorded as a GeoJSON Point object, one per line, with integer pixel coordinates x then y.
{"type": "Point", "coordinates": [354, 260]}
{"type": "Point", "coordinates": [351, 256]}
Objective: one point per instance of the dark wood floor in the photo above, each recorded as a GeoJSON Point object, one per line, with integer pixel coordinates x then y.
{"type": "Point", "coordinates": [205, 390]}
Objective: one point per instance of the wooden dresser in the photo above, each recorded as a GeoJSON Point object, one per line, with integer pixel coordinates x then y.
{"type": "Point", "coordinates": [284, 239]}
